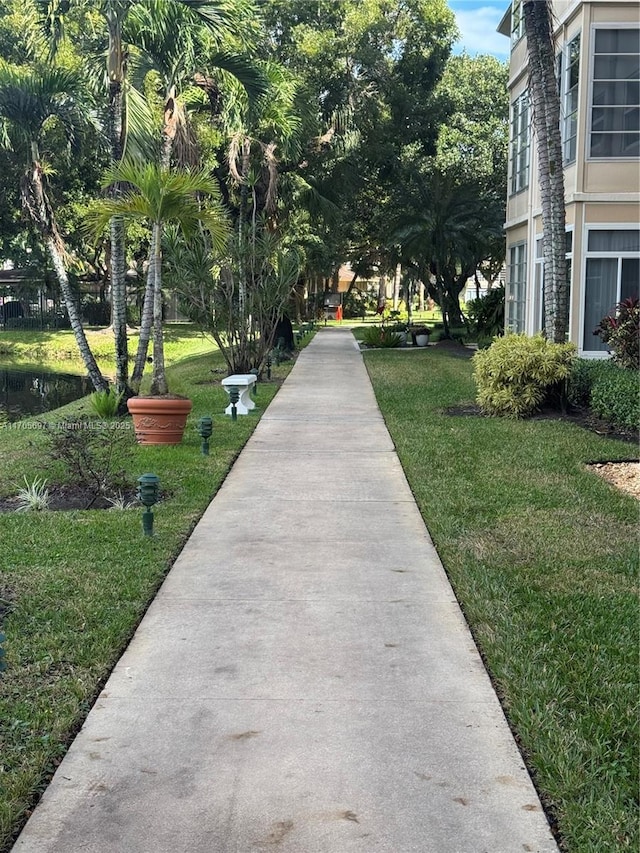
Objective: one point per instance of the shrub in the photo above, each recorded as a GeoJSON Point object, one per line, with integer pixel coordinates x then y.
{"type": "Point", "coordinates": [96, 313]}
{"type": "Point", "coordinates": [610, 391]}
{"type": "Point", "coordinates": [486, 315]}
{"type": "Point", "coordinates": [516, 374]}
{"type": "Point", "coordinates": [583, 374]}
{"type": "Point", "coordinates": [355, 304]}
{"type": "Point", "coordinates": [621, 333]}
{"type": "Point", "coordinates": [615, 398]}
{"type": "Point", "coordinates": [94, 456]}
{"type": "Point", "coordinates": [378, 336]}
{"type": "Point", "coordinates": [105, 403]}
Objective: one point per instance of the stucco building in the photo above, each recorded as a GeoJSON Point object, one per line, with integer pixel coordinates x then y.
{"type": "Point", "coordinates": [598, 56]}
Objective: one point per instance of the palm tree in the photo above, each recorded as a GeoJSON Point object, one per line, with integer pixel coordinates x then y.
{"type": "Point", "coordinates": [451, 232]}
{"type": "Point", "coordinates": [183, 53]}
{"type": "Point", "coordinates": [28, 100]}
{"type": "Point", "coordinates": [158, 196]}
{"type": "Point", "coordinates": [168, 20]}
{"type": "Point", "coordinates": [545, 103]}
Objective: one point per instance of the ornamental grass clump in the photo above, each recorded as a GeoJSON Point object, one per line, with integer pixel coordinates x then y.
{"type": "Point", "coordinates": [517, 374]}
{"type": "Point", "coordinates": [33, 497]}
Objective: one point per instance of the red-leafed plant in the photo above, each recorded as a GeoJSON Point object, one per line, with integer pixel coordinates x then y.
{"type": "Point", "coordinates": [621, 333]}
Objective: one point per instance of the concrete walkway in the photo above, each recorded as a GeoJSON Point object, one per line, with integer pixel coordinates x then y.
{"type": "Point", "coordinates": [304, 681]}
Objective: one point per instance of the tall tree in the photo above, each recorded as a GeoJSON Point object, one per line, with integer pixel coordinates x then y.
{"type": "Point", "coordinates": [183, 50]}
{"type": "Point", "coordinates": [447, 232]}
{"type": "Point", "coordinates": [545, 104]}
{"type": "Point", "coordinates": [369, 70]}
{"type": "Point", "coordinates": [220, 15]}
{"type": "Point", "coordinates": [29, 99]}
{"type": "Point", "coordinates": [157, 196]}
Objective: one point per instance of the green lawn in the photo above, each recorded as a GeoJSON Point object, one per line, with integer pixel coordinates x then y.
{"type": "Point", "coordinates": [74, 585]}
{"type": "Point", "coordinates": [543, 556]}
{"type": "Point", "coordinates": [49, 349]}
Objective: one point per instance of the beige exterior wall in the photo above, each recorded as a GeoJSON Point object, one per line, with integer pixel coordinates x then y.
{"type": "Point", "coordinates": [597, 191]}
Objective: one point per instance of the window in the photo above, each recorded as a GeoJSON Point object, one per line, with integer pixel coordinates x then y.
{"type": "Point", "coordinates": [520, 144]}
{"type": "Point", "coordinates": [517, 21]}
{"type": "Point", "coordinates": [516, 288]}
{"type": "Point", "coordinates": [615, 101]}
{"type": "Point", "coordinates": [539, 280]}
{"type": "Point", "coordinates": [612, 275]}
{"type": "Point", "coordinates": [570, 70]}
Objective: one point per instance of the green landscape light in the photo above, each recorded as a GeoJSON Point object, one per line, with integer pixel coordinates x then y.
{"type": "Point", "coordinates": [254, 372]}
{"type": "Point", "coordinates": [148, 494]}
{"type": "Point", "coordinates": [205, 428]}
{"type": "Point", "coordinates": [234, 396]}
{"type": "Point", "coordinates": [268, 362]}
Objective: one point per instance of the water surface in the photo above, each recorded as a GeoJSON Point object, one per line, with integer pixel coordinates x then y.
{"type": "Point", "coordinates": [33, 391]}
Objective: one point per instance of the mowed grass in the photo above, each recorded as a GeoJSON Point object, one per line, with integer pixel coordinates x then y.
{"type": "Point", "coordinates": [58, 349]}
{"type": "Point", "coordinates": [74, 585]}
{"type": "Point", "coordinates": [543, 556]}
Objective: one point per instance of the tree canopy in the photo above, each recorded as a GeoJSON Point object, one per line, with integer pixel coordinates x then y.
{"type": "Point", "coordinates": [347, 127]}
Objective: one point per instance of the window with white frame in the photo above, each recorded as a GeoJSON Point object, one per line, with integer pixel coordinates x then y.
{"type": "Point", "coordinates": [569, 76]}
{"type": "Point", "coordinates": [516, 288]}
{"type": "Point", "coordinates": [517, 21]}
{"type": "Point", "coordinates": [520, 142]}
{"type": "Point", "coordinates": [612, 275]}
{"type": "Point", "coordinates": [615, 96]}
{"type": "Point", "coordinates": [539, 280]}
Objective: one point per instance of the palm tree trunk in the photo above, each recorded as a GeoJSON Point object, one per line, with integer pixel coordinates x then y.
{"type": "Point", "coordinates": [159, 380]}
{"type": "Point", "coordinates": [146, 320]}
{"type": "Point", "coordinates": [116, 73]}
{"type": "Point", "coordinates": [545, 104]}
{"type": "Point", "coordinates": [97, 379]}
{"type": "Point", "coordinates": [397, 278]}
{"type": "Point", "coordinates": [119, 305]}
{"type": "Point", "coordinates": [36, 203]}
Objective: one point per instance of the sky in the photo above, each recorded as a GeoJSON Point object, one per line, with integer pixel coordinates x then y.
{"type": "Point", "coordinates": [477, 21]}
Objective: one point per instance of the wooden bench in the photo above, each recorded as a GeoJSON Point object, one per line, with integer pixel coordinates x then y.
{"type": "Point", "coordinates": [244, 382]}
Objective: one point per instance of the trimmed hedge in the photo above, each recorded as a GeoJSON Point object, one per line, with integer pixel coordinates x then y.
{"type": "Point", "coordinates": [610, 391]}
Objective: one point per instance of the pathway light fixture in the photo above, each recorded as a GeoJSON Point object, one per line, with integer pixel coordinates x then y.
{"type": "Point", "coordinates": [234, 396]}
{"type": "Point", "coordinates": [205, 428]}
{"type": "Point", "coordinates": [148, 495]}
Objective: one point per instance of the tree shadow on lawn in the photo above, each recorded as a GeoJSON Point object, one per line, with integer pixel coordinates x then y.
{"type": "Point", "coordinates": [583, 418]}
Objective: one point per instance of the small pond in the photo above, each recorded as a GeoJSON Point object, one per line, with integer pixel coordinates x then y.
{"type": "Point", "coordinates": [32, 391]}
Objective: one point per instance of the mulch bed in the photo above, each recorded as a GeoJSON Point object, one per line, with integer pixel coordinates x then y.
{"type": "Point", "coordinates": [66, 497]}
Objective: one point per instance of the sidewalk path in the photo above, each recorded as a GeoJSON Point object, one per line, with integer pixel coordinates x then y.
{"type": "Point", "coordinates": [304, 682]}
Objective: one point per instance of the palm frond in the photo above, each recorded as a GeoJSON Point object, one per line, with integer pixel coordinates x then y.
{"type": "Point", "coordinates": [313, 200]}
{"type": "Point", "coordinates": [159, 195]}
{"type": "Point", "coordinates": [28, 98]}
{"type": "Point", "coordinates": [142, 138]}
{"type": "Point", "coordinates": [99, 214]}
{"type": "Point", "coordinates": [250, 75]}
{"type": "Point", "coordinates": [50, 20]}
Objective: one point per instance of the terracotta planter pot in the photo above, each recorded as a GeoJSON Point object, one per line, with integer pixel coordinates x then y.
{"type": "Point", "coordinates": [159, 420]}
